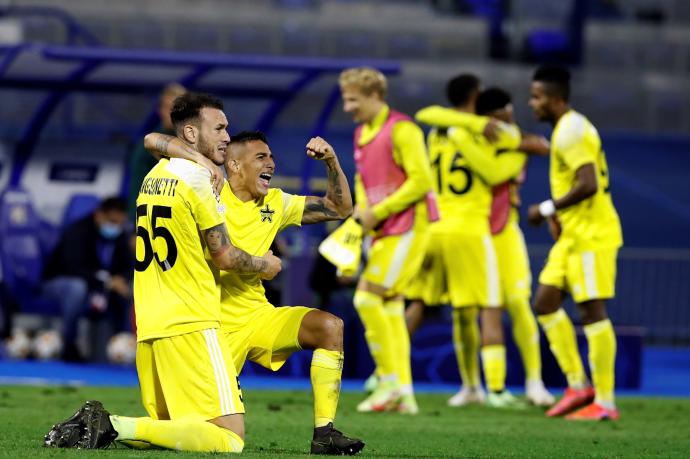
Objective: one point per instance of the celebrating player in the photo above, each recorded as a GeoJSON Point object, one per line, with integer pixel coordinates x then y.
{"type": "Point", "coordinates": [395, 204]}
{"type": "Point", "coordinates": [255, 329]}
{"type": "Point", "coordinates": [461, 258]}
{"type": "Point", "coordinates": [582, 262]}
{"type": "Point", "coordinates": [511, 252]}
{"type": "Point", "coordinates": [177, 306]}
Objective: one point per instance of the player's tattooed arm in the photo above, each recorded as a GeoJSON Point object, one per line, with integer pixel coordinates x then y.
{"type": "Point", "coordinates": [170, 146]}
{"type": "Point", "coordinates": [230, 258]}
{"type": "Point", "coordinates": [174, 147]}
{"type": "Point", "coordinates": [337, 204]}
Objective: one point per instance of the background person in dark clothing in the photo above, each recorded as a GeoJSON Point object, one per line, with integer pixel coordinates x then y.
{"type": "Point", "coordinates": [90, 271]}
{"type": "Point", "coordinates": [141, 161]}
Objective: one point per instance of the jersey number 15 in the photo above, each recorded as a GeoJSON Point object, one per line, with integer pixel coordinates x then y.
{"type": "Point", "coordinates": [456, 166]}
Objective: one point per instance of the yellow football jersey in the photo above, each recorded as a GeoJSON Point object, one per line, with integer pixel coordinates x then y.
{"type": "Point", "coordinates": [174, 289]}
{"type": "Point", "coordinates": [466, 166]}
{"type": "Point", "coordinates": [593, 222]}
{"type": "Point", "coordinates": [253, 227]}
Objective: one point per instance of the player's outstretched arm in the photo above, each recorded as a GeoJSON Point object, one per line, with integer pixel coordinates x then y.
{"type": "Point", "coordinates": [444, 117]}
{"type": "Point", "coordinates": [337, 204]}
{"type": "Point", "coordinates": [534, 144]}
{"type": "Point", "coordinates": [173, 147]}
{"type": "Point", "coordinates": [585, 187]}
{"type": "Point", "coordinates": [227, 257]}
{"type": "Point", "coordinates": [493, 169]}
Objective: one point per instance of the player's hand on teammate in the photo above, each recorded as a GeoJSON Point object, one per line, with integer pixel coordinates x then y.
{"type": "Point", "coordinates": [217, 177]}
{"type": "Point", "coordinates": [534, 217]}
{"type": "Point", "coordinates": [366, 218]}
{"type": "Point", "coordinates": [273, 266]}
{"type": "Point", "coordinates": [492, 129]}
{"type": "Point", "coordinates": [535, 145]}
{"type": "Point", "coordinates": [318, 148]}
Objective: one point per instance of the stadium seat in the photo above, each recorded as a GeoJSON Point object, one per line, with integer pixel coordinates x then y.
{"type": "Point", "coordinates": [142, 35]}
{"type": "Point", "coordinates": [79, 206]}
{"type": "Point", "coordinates": [195, 38]}
{"type": "Point", "coordinates": [21, 254]}
{"type": "Point", "coordinates": [408, 47]}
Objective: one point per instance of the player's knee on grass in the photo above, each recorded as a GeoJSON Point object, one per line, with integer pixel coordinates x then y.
{"type": "Point", "coordinates": [232, 422]}
{"type": "Point", "coordinates": [592, 311]}
{"type": "Point", "coordinates": [320, 329]}
{"type": "Point", "coordinates": [548, 299]}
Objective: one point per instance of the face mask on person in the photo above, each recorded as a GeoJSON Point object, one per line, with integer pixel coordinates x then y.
{"type": "Point", "coordinates": [110, 230]}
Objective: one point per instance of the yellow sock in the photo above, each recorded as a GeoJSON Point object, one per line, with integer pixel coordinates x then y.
{"type": "Point", "coordinates": [602, 359]}
{"type": "Point", "coordinates": [561, 335]}
{"type": "Point", "coordinates": [377, 331]}
{"type": "Point", "coordinates": [180, 435]}
{"type": "Point", "coordinates": [526, 336]}
{"type": "Point", "coordinates": [494, 363]}
{"type": "Point", "coordinates": [326, 372]}
{"type": "Point", "coordinates": [466, 343]}
{"type": "Point", "coordinates": [395, 311]}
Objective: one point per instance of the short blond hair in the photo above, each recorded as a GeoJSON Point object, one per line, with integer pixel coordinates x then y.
{"type": "Point", "coordinates": [368, 80]}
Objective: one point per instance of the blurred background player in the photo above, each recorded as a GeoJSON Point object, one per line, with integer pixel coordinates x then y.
{"type": "Point", "coordinates": [461, 256]}
{"type": "Point", "coordinates": [582, 262]}
{"type": "Point", "coordinates": [254, 328]}
{"type": "Point", "coordinates": [393, 202]}
{"type": "Point", "coordinates": [511, 251]}
{"type": "Point", "coordinates": [141, 161]}
{"type": "Point", "coordinates": [89, 273]}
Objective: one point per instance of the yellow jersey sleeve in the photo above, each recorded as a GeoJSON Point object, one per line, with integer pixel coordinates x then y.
{"type": "Point", "coordinates": [293, 209]}
{"type": "Point", "coordinates": [571, 145]}
{"type": "Point", "coordinates": [360, 193]}
{"type": "Point", "coordinates": [512, 163]}
{"type": "Point", "coordinates": [509, 137]}
{"type": "Point", "coordinates": [482, 159]}
{"type": "Point", "coordinates": [205, 203]}
{"type": "Point", "coordinates": [444, 117]}
{"type": "Point", "coordinates": [409, 151]}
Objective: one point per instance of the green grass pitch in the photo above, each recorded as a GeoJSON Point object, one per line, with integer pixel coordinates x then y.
{"type": "Point", "coordinates": [279, 424]}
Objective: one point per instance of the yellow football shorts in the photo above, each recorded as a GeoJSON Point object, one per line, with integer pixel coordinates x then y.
{"type": "Point", "coordinates": [429, 285]}
{"type": "Point", "coordinates": [269, 337]}
{"type": "Point", "coordinates": [463, 264]}
{"type": "Point", "coordinates": [393, 261]}
{"type": "Point", "coordinates": [513, 262]}
{"type": "Point", "coordinates": [188, 376]}
{"type": "Point", "coordinates": [587, 274]}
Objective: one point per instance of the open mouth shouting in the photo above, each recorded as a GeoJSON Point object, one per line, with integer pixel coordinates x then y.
{"type": "Point", "coordinates": [265, 179]}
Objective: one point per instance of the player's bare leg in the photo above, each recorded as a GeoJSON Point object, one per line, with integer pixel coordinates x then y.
{"type": "Point", "coordinates": [414, 315]}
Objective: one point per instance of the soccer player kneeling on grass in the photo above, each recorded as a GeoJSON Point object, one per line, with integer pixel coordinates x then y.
{"type": "Point", "coordinates": [255, 329]}
{"type": "Point", "coordinates": [582, 262]}
{"type": "Point", "coordinates": [177, 307]}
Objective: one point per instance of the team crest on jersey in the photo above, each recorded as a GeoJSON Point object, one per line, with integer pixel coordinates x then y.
{"type": "Point", "coordinates": [267, 214]}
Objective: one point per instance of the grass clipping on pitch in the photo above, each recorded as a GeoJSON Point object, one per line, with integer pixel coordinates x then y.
{"type": "Point", "coordinates": [279, 424]}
